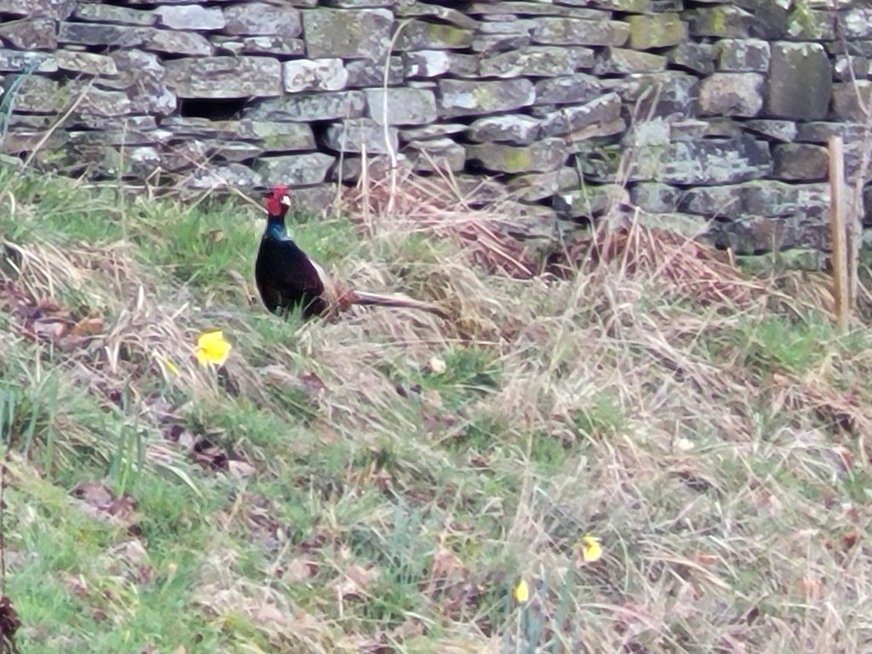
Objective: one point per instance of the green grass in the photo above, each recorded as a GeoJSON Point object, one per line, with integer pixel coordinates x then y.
{"type": "Point", "coordinates": [719, 452]}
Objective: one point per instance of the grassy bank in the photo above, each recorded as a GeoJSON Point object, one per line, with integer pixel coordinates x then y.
{"type": "Point", "coordinates": [382, 483]}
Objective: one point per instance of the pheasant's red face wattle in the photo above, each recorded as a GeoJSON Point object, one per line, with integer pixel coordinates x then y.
{"type": "Point", "coordinates": [278, 201]}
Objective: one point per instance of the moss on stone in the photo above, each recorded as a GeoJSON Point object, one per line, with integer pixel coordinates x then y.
{"type": "Point", "coordinates": [655, 31]}
{"type": "Point", "coordinates": [483, 96]}
{"type": "Point", "coordinates": [447, 35]}
{"type": "Point", "coordinates": [801, 16]}
{"type": "Point", "coordinates": [631, 5]}
{"type": "Point", "coordinates": [719, 20]}
{"type": "Point", "coordinates": [517, 159]}
{"type": "Point", "coordinates": [611, 155]}
{"type": "Point", "coordinates": [779, 261]}
{"type": "Point", "coordinates": [273, 142]}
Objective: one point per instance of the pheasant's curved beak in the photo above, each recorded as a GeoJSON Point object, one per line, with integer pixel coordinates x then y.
{"type": "Point", "coordinates": [286, 200]}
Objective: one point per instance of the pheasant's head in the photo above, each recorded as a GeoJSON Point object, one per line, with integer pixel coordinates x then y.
{"type": "Point", "coordinates": [278, 200]}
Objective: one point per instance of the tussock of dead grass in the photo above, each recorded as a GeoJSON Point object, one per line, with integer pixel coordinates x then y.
{"type": "Point", "coordinates": [490, 232]}
{"type": "Point", "coordinates": [445, 207]}
{"type": "Point", "coordinates": [639, 399]}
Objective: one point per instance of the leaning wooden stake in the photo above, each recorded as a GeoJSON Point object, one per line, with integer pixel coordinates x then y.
{"type": "Point", "coordinates": [838, 232]}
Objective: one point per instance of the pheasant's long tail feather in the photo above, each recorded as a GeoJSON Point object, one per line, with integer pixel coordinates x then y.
{"type": "Point", "coordinates": [392, 300]}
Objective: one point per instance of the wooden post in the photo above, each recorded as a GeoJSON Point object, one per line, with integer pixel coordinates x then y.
{"type": "Point", "coordinates": [854, 230]}
{"type": "Point", "coordinates": [841, 288]}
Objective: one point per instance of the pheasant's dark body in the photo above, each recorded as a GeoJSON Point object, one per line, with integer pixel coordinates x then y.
{"type": "Point", "coordinates": [286, 279]}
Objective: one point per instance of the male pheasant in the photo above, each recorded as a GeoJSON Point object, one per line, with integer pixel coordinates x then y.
{"type": "Point", "coordinates": [289, 281]}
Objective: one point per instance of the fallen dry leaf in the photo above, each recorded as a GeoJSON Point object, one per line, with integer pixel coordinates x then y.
{"type": "Point", "coordinates": [407, 391]}
{"type": "Point", "coordinates": [187, 441]}
{"type": "Point", "coordinates": [309, 383]}
{"type": "Point", "coordinates": [209, 455]}
{"type": "Point", "coordinates": [841, 459]}
{"type": "Point", "coordinates": [478, 461]}
{"type": "Point", "coordinates": [356, 581]}
{"type": "Point", "coordinates": [47, 320]}
{"type": "Point", "coordinates": [44, 307]}
{"type": "Point", "coordinates": [75, 583]}
{"type": "Point", "coordinates": [94, 493]}
{"type": "Point", "coordinates": [376, 644]}
{"type": "Point", "coordinates": [88, 326]}
{"type": "Point", "coordinates": [134, 557]}
{"type": "Point", "coordinates": [99, 501]}
{"type": "Point", "coordinates": [298, 570]}
{"type": "Point", "coordinates": [409, 629]}
{"type": "Point", "coordinates": [131, 551]}
{"type": "Point", "coordinates": [432, 399]}
{"type": "Point", "coordinates": [811, 587]}
{"type": "Point", "coordinates": [850, 539]}
{"type": "Point", "coordinates": [260, 517]}
{"type": "Point", "coordinates": [445, 567]}
{"type": "Point", "coordinates": [267, 614]}
{"type": "Point", "coordinates": [706, 559]}
{"type": "Point", "coordinates": [312, 383]}
{"type": "Point", "coordinates": [240, 469]}
{"type": "Point", "coordinates": [124, 509]}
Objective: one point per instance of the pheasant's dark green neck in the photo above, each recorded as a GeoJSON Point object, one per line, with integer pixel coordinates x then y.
{"type": "Point", "coordinates": [275, 228]}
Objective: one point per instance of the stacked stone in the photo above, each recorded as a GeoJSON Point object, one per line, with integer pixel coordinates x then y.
{"type": "Point", "coordinates": [705, 115]}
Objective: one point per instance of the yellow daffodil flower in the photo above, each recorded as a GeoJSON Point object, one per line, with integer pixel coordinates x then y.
{"type": "Point", "coordinates": [591, 549]}
{"type": "Point", "coordinates": [212, 348]}
{"type": "Point", "coordinates": [521, 592]}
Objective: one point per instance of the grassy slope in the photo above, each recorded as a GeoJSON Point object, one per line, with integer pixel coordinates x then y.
{"type": "Point", "coordinates": [717, 451]}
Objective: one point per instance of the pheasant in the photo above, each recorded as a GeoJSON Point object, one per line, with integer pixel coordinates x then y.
{"type": "Point", "coordinates": [288, 280]}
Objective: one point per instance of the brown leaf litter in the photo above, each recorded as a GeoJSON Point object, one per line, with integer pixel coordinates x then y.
{"type": "Point", "coordinates": [222, 593]}
{"type": "Point", "coordinates": [46, 320]}
{"type": "Point", "coordinates": [107, 353]}
{"type": "Point", "coordinates": [130, 560]}
{"type": "Point", "coordinates": [355, 582]}
{"type": "Point", "coordinates": [257, 519]}
{"type": "Point", "coordinates": [297, 570]}
{"type": "Point", "coordinates": [204, 449]}
{"type": "Point", "coordinates": [98, 500]}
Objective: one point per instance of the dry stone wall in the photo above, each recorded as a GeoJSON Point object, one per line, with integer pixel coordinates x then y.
{"type": "Point", "coordinates": [707, 116]}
